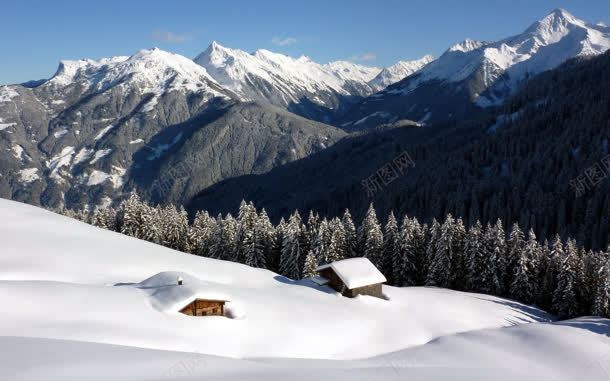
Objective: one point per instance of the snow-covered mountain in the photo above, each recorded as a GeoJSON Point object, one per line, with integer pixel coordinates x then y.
{"type": "Point", "coordinates": [316, 91]}
{"type": "Point", "coordinates": [79, 138]}
{"type": "Point", "coordinates": [299, 84]}
{"type": "Point", "coordinates": [397, 72]}
{"type": "Point", "coordinates": [484, 73]}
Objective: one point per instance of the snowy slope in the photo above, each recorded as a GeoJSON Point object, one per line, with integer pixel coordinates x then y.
{"type": "Point", "coordinates": [71, 263]}
{"type": "Point", "coordinates": [105, 317]}
{"type": "Point", "coordinates": [398, 71]}
{"type": "Point", "coordinates": [569, 351]}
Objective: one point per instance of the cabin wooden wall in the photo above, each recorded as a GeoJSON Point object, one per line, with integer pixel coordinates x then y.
{"type": "Point", "coordinates": [201, 307]}
{"type": "Point", "coordinates": [372, 290]}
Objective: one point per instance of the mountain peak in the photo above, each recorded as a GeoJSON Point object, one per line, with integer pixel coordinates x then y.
{"type": "Point", "coordinates": [467, 45]}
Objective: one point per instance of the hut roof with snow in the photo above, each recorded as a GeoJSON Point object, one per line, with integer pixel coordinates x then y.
{"type": "Point", "coordinates": [169, 296]}
{"type": "Point", "coordinates": [354, 276]}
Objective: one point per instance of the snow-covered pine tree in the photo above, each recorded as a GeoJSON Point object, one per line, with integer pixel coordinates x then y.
{"type": "Point", "coordinates": [434, 233]}
{"type": "Point", "coordinates": [440, 273]}
{"type": "Point", "coordinates": [274, 262]}
{"type": "Point", "coordinates": [351, 239]}
{"type": "Point", "coordinates": [215, 250]}
{"type": "Point", "coordinates": [129, 216]}
{"type": "Point", "coordinates": [321, 242]}
{"type": "Point", "coordinates": [565, 298]}
{"type": "Point", "coordinates": [515, 246]}
{"type": "Point", "coordinates": [391, 250]}
{"type": "Point", "coordinates": [601, 303]}
{"type": "Point", "coordinates": [266, 237]}
{"type": "Point", "coordinates": [475, 253]}
{"type": "Point", "coordinates": [417, 251]}
{"type": "Point", "coordinates": [336, 246]}
{"type": "Point", "coordinates": [523, 286]}
{"type": "Point", "coordinates": [224, 245]}
{"type": "Point", "coordinates": [173, 227]}
{"type": "Point", "coordinates": [291, 248]}
{"type": "Point", "coordinates": [258, 242]}
{"type": "Point", "coordinates": [370, 237]}
{"type": "Point", "coordinates": [458, 243]}
{"type": "Point", "coordinates": [402, 267]}
{"type": "Point", "coordinates": [493, 266]}
{"type": "Point", "coordinates": [105, 218]}
{"type": "Point", "coordinates": [550, 272]}
{"type": "Point", "coordinates": [200, 234]}
{"type": "Point", "coordinates": [246, 220]}
{"type": "Point", "coordinates": [310, 266]}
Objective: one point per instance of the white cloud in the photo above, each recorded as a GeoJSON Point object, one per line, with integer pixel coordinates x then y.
{"type": "Point", "coordinates": [285, 41]}
{"type": "Point", "coordinates": [169, 37]}
{"type": "Point", "coordinates": [365, 57]}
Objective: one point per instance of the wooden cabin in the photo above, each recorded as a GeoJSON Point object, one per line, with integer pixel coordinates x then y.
{"type": "Point", "coordinates": [351, 277]}
{"type": "Point", "coordinates": [204, 307]}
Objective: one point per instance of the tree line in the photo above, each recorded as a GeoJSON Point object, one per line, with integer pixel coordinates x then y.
{"type": "Point", "coordinates": [558, 276]}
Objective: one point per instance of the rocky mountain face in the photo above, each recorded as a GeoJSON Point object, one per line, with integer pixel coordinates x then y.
{"type": "Point", "coordinates": [476, 74]}
{"type": "Point", "coordinates": [79, 138]}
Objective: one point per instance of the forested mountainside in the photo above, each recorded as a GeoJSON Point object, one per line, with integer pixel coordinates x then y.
{"type": "Point", "coordinates": [522, 163]}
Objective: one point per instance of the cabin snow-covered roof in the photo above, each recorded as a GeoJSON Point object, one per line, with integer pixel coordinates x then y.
{"type": "Point", "coordinates": [356, 272]}
{"type": "Point", "coordinates": [166, 295]}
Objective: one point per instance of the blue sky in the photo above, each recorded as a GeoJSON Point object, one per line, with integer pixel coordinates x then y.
{"type": "Point", "coordinates": [37, 34]}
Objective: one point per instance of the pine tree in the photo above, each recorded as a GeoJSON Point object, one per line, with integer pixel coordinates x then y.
{"type": "Point", "coordinates": [402, 267]}
{"type": "Point", "coordinates": [434, 233]}
{"type": "Point", "coordinates": [291, 249]}
{"type": "Point", "coordinates": [551, 272]}
{"type": "Point", "coordinates": [370, 237]}
{"type": "Point", "coordinates": [246, 242]}
{"type": "Point", "coordinates": [351, 239]}
{"type": "Point", "coordinates": [523, 286]}
{"type": "Point", "coordinates": [311, 264]}
{"type": "Point", "coordinates": [274, 262]}
{"type": "Point", "coordinates": [136, 219]}
{"type": "Point", "coordinates": [417, 252]}
{"type": "Point", "coordinates": [494, 265]}
{"type": "Point", "coordinates": [200, 234]}
{"type": "Point", "coordinates": [337, 244]}
{"type": "Point", "coordinates": [223, 241]}
{"type": "Point", "coordinates": [440, 272]}
{"type": "Point", "coordinates": [391, 249]}
{"type": "Point", "coordinates": [266, 237]}
{"type": "Point", "coordinates": [459, 266]}
{"type": "Point", "coordinates": [476, 253]}
{"type": "Point", "coordinates": [601, 304]}
{"type": "Point", "coordinates": [173, 227]}
{"type": "Point", "coordinates": [565, 297]}
{"type": "Point", "coordinates": [516, 245]}
{"type": "Point", "coordinates": [259, 241]}
{"type": "Point", "coordinates": [105, 218]}
{"type": "Point", "coordinates": [321, 243]}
